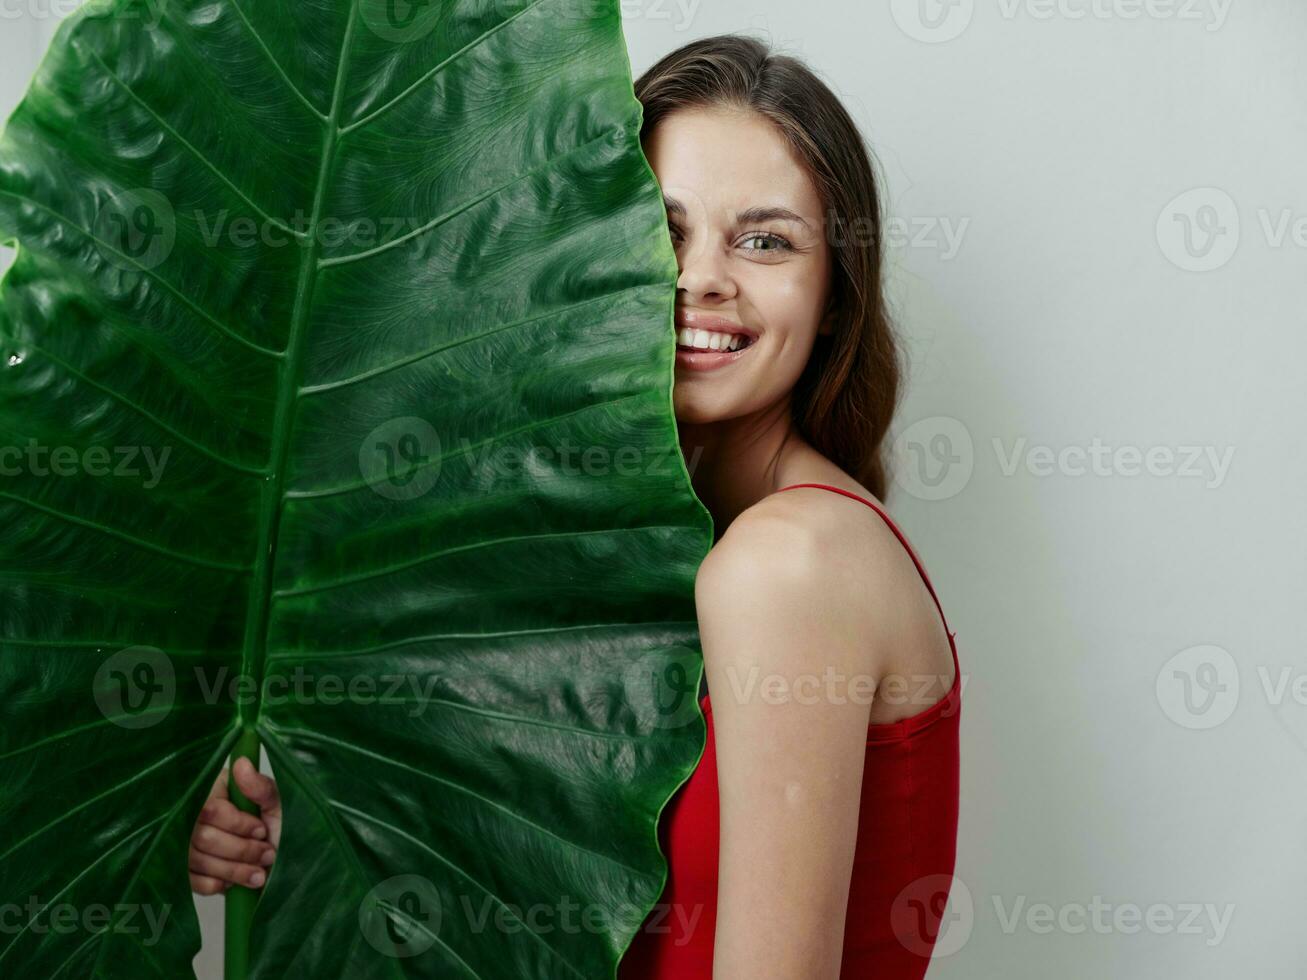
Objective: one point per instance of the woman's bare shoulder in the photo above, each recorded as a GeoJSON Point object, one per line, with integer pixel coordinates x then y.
{"type": "Point", "coordinates": [809, 543]}
{"type": "Point", "coordinates": [831, 553]}
{"type": "Point", "coordinates": [811, 525]}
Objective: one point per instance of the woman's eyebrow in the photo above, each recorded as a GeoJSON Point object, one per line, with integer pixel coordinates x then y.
{"type": "Point", "coordinates": [751, 216]}
{"type": "Point", "coordinates": [674, 206]}
{"type": "Point", "coordinates": [760, 215]}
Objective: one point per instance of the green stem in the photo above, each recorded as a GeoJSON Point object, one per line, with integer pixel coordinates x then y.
{"type": "Point", "coordinates": [240, 901]}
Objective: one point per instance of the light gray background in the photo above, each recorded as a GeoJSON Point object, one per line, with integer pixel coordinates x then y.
{"type": "Point", "coordinates": [1044, 160]}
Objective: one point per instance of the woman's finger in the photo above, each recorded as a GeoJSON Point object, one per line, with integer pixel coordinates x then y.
{"type": "Point", "coordinates": [218, 843]}
{"type": "Point", "coordinates": [219, 789]}
{"type": "Point", "coordinates": [261, 790]}
{"type": "Point", "coordinates": [204, 885]}
{"type": "Point", "coordinates": [258, 788]}
{"type": "Point", "coordinates": [232, 871]}
{"type": "Point", "coordinates": [224, 815]}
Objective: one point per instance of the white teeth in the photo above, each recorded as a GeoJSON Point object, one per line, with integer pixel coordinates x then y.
{"type": "Point", "coordinates": [709, 340]}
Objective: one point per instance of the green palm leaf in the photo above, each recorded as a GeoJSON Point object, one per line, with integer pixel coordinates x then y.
{"type": "Point", "coordinates": [335, 372]}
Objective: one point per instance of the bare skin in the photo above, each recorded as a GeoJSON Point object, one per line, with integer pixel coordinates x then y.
{"type": "Point", "coordinates": [797, 584]}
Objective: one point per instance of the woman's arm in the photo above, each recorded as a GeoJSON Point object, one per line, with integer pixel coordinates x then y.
{"type": "Point", "coordinates": [779, 615]}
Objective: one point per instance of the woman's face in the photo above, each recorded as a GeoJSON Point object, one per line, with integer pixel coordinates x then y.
{"type": "Point", "coordinates": [749, 233]}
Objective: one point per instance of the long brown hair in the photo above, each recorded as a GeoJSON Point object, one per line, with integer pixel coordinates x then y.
{"type": "Point", "coordinates": [845, 399]}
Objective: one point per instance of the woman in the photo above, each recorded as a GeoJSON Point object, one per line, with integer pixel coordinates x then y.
{"type": "Point", "coordinates": [816, 838]}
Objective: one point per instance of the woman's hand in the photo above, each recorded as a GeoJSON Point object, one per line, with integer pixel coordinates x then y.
{"type": "Point", "coordinates": [231, 847]}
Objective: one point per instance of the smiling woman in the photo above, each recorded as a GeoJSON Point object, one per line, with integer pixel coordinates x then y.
{"type": "Point", "coordinates": [816, 839]}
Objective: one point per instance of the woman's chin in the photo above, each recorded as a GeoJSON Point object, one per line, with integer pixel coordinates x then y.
{"type": "Point", "coordinates": [689, 412]}
{"type": "Point", "coordinates": [695, 411]}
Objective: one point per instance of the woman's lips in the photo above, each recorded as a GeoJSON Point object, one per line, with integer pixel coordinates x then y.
{"type": "Point", "coordinates": [695, 320]}
{"type": "Point", "coordinates": [698, 359]}
{"type": "Point", "coordinates": [709, 360]}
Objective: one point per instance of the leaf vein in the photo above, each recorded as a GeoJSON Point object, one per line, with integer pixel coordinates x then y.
{"type": "Point", "coordinates": [474, 43]}
{"type": "Point", "coordinates": [469, 339]}
{"type": "Point", "coordinates": [465, 206]}
{"type": "Point", "coordinates": [149, 274]}
{"type": "Point", "coordinates": [411, 641]}
{"type": "Point", "coordinates": [195, 152]}
{"type": "Point", "coordinates": [276, 64]}
{"type": "Point", "coordinates": [460, 549]}
{"type": "Point", "coordinates": [520, 430]}
{"type": "Point", "coordinates": [151, 417]}
{"type": "Point", "coordinates": [454, 867]}
{"type": "Point", "coordinates": [350, 747]}
{"type": "Point", "coordinates": [128, 538]}
{"type": "Point", "coordinates": [283, 754]}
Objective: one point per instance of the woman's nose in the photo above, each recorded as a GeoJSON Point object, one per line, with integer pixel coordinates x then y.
{"type": "Point", "coordinates": [704, 271]}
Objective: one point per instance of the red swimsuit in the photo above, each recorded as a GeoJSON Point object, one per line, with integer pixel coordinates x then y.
{"type": "Point", "coordinates": [903, 859]}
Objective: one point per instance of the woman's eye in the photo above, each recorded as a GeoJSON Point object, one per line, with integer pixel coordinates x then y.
{"type": "Point", "coordinates": [755, 242]}
{"type": "Point", "coordinates": [768, 243]}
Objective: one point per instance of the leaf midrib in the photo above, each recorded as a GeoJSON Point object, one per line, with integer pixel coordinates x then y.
{"type": "Point", "coordinates": [270, 510]}
{"type": "Point", "coordinates": [270, 507]}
